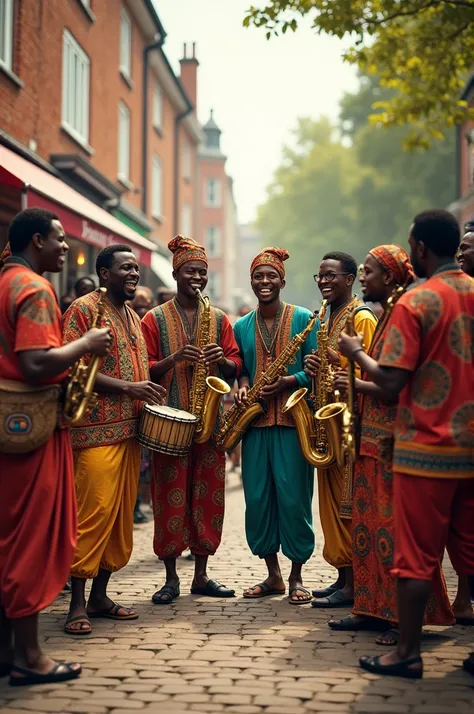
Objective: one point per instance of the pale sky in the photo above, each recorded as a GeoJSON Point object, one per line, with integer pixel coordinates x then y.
{"type": "Point", "coordinates": [257, 87]}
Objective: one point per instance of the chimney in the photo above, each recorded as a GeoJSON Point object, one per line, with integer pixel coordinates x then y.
{"type": "Point", "coordinates": [189, 65]}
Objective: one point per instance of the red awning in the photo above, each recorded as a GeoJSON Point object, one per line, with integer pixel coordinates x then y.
{"type": "Point", "coordinates": [81, 218]}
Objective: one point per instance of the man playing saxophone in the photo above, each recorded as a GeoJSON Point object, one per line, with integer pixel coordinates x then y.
{"type": "Point", "coordinates": [188, 491]}
{"type": "Point", "coordinates": [278, 481]}
{"type": "Point", "coordinates": [106, 453]}
{"type": "Point", "coordinates": [336, 276]}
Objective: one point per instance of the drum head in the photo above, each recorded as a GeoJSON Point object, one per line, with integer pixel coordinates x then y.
{"type": "Point", "coordinates": [170, 412]}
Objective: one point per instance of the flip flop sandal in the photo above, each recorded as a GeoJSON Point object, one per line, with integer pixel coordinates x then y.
{"type": "Point", "coordinates": [349, 624]}
{"type": "Point", "coordinates": [112, 613]}
{"type": "Point", "coordinates": [300, 589]}
{"type": "Point", "coordinates": [400, 669]}
{"type": "Point", "coordinates": [466, 621]}
{"type": "Point", "coordinates": [79, 631]}
{"type": "Point", "coordinates": [213, 588]}
{"type": "Point", "coordinates": [325, 592]}
{"type": "Point", "coordinates": [265, 591]}
{"type": "Point", "coordinates": [394, 636]}
{"type": "Point", "coordinates": [468, 664]}
{"type": "Point", "coordinates": [61, 672]}
{"type": "Point", "coordinates": [336, 599]}
{"type": "Point", "coordinates": [166, 595]}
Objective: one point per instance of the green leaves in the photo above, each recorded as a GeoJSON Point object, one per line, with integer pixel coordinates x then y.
{"type": "Point", "coordinates": [423, 49]}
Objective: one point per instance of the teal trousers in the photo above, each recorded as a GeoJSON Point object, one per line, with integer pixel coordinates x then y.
{"type": "Point", "coordinates": [278, 486]}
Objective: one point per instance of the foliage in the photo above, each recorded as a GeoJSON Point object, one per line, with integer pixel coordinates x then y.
{"type": "Point", "coordinates": [423, 49]}
{"type": "Point", "coordinates": [349, 187]}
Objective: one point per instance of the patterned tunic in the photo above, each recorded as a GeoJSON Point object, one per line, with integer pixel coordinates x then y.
{"type": "Point", "coordinates": [116, 416]}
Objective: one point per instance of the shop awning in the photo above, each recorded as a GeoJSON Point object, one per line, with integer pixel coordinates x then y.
{"type": "Point", "coordinates": [81, 218]}
{"type": "Point", "coordinates": [163, 270]}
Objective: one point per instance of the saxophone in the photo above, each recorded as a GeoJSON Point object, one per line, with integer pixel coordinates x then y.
{"type": "Point", "coordinates": [206, 391]}
{"type": "Point", "coordinates": [239, 417]}
{"type": "Point", "coordinates": [349, 416]}
{"type": "Point", "coordinates": [79, 392]}
{"type": "Point", "coordinates": [319, 432]}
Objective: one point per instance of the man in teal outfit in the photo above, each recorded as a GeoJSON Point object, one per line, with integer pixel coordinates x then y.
{"type": "Point", "coordinates": [278, 481]}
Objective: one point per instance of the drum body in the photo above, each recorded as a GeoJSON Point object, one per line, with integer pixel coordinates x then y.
{"type": "Point", "coordinates": [165, 429]}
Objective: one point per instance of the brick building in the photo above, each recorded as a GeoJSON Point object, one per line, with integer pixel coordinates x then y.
{"type": "Point", "coordinates": [217, 216]}
{"type": "Point", "coordinates": [95, 125]}
{"type": "Point", "coordinates": [463, 207]}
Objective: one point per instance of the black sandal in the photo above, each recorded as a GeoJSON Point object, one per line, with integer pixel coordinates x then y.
{"type": "Point", "coordinates": [166, 595]}
{"type": "Point", "coordinates": [400, 669]}
{"type": "Point", "coordinates": [335, 599]}
{"type": "Point", "coordinates": [213, 588]}
{"type": "Point", "coordinates": [60, 672]}
{"type": "Point", "coordinates": [325, 592]}
{"type": "Point", "coordinates": [349, 624]}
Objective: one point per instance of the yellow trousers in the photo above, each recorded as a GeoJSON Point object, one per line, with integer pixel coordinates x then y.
{"type": "Point", "coordinates": [106, 490]}
{"type": "Point", "coordinates": [337, 531]}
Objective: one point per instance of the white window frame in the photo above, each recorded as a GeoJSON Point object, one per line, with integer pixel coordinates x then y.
{"type": "Point", "coordinates": [214, 285]}
{"type": "Point", "coordinates": [157, 107]}
{"type": "Point", "coordinates": [187, 219]}
{"type": "Point", "coordinates": [125, 43]}
{"type": "Point", "coordinates": [157, 187]}
{"type": "Point", "coordinates": [216, 250]}
{"type": "Point", "coordinates": [123, 152]}
{"type": "Point", "coordinates": [6, 30]}
{"type": "Point", "coordinates": [213, 201]}
{"type": "Point", "coordinates": [75, 89]}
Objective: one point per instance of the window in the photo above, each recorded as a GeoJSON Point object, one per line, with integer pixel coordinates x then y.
{"type": "Point", "coordinates": [187, 219]}
{"type": "Point", "coordinates": [213, 192]}
{"type": "Point", "coordinates": [187, 161]}
{"type": "Point", "coordinates": [157, 188]}
{"type": "Point", "coordinates": [76, 72]}
{"type": "Point", "coordinates": [157, 107]}
{"type": "Point", "coordinates": [213, 242]}
{"type": "Point", "coordinates": [125, 44]}
{"type": "Point", "coordinates": [6, 33]}
{"type": "Point", "coordinates": [214, 286]}
{"type": "Point", "coordinates": [123, 142]}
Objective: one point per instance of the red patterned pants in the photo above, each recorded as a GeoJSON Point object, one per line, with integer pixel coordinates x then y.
{"type": "Point", "coordinates": [188, 494]}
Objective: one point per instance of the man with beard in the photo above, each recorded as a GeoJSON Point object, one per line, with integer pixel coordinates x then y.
{"type": "Point", "coordinates": [277, 480]}
{"type": "Point", "coordinates": [106, 454]}
{"type": "Point", "coordinates": [188, 492]}
{"type": "Point", "coordinates": [385, 275]}
{"type": "Point", "coordinates": [37, 505]}
{"type": "Point", "coordinates": [427, 363]}
{"type": "Point", "coordinates": [335, 279]}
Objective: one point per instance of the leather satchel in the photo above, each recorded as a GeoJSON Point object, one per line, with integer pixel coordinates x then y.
{"type": "Point", "coordinates": [28, 416]}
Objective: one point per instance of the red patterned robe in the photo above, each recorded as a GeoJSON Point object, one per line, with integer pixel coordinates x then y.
{"type": "Point", "coordinates": [37, 504]}
{"type": "Point", "coordinates": [188, 491]}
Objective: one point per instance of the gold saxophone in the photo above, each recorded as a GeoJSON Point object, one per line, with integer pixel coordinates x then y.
{"type": "Point", "coordinates": [349, 448]}
{"type": "Point", "coordinates": [239, 417]}
{"type": "Point", "coordinates": [79, 392]}
{"type": "Point", "coordinates": [319, 432]}
{"type": "Point", "coordinates": [206, 391]}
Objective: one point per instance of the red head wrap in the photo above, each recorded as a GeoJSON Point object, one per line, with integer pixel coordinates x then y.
{"type": "Point", "coordinates": [273, 257]}
{"type": "Point", "coordinates": [184, 250]}
{"type": "Point", "coordinates": [395, 259]}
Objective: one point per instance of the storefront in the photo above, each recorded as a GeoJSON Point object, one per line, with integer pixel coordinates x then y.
{"type": "Point", "coordinates": [89, 228]}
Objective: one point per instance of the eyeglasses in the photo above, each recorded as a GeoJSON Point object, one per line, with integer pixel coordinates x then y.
{"type": "Point", "coordinates": [328, 277]}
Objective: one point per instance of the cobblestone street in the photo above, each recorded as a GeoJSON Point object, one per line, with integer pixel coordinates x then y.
{"type": "Point", "coordinates": [207, 655]}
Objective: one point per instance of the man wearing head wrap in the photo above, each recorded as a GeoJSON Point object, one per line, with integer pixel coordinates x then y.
{"type": "Point", "coordinates": [188, 491]}
{"type": "Point", "coordinates": [386, 273]}
{"type": "Point", "coordinates": [278, 482]}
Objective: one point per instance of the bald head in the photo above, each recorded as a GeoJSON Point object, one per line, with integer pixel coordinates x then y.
{"type": "Point", "coordinates": [466, 252]}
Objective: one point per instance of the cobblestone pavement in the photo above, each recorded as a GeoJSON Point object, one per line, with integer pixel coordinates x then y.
{"type": "Point", "coordinates": [207, 655]}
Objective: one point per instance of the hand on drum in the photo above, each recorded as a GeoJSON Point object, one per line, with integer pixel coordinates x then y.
{"type": "Point", "coordinates": [213, 354]}
{"type": "Point", "coordinates": [147, 392]}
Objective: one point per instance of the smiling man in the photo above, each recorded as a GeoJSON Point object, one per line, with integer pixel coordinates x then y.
{"type": "Point", "coordinates": [106, 454]}
{"type": "Point", "coordinates": [188, 491]}
{"type": "Point", "coordinates": [337, 273]}
{"type": "Point", "coordinates": [278, 481]}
